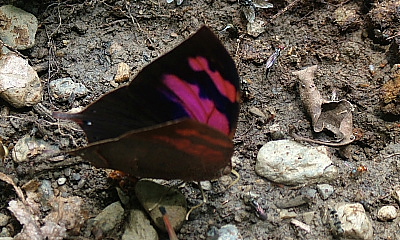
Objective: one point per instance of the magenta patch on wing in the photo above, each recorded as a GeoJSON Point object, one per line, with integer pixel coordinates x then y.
{"type": "Point", "coordinates": [225, 87]}
{"type": "Point", "coordinates": [203, 110]}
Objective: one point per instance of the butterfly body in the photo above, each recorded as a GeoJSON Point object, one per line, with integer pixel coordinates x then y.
{"type": "Point", "coordinates": [175, 120]}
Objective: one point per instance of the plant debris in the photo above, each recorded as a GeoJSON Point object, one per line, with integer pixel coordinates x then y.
{"type": "Point", "coordinates": [333, 116]}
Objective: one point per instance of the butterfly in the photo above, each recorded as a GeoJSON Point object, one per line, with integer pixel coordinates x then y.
{"type": "Point", "coordinates": [175, 120]}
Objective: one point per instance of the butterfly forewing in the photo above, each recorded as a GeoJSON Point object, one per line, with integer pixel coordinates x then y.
{"type": "Point", "coordinates": [149, 100]}
{"type": "Point", "coordinates": [197, 80]}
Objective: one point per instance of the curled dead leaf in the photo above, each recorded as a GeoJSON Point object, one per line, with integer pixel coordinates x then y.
{"type": "Point", "coordinates": [333, 116]}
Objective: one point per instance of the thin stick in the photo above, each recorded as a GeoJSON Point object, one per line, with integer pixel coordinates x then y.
{"type": "Point", "coordinates": [284, 10]}
{"type": "Point", "coordinates": [234, 172]}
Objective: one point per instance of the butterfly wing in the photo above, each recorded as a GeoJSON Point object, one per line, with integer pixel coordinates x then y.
{"type": "Point", "coordinates": [197, 80]}
{"type": "Point", "coordinates": [186, 150]}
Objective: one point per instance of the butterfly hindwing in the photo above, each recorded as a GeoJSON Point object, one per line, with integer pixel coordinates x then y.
{"type": "Point", "coordinates": [186, 150]}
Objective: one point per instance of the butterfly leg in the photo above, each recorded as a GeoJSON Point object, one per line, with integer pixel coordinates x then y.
{"type": "Point", "coordinates": [198, 205]}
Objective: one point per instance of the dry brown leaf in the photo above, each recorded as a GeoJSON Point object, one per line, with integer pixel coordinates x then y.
{"type": "Point", "coordinates": [9, 180]}
{"type": "Point", "coordinates": [67, 214]}
{"type": "Point", "coordinates": [25, 216]}
{"type": "Point", "coordinates": [333, 116]}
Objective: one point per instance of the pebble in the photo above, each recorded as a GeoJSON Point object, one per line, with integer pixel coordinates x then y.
{"type": "Point", "coordinates": [46, 189]}
{"type": "Point", "coordinates": [29, 146]}
{"type": "Point", "coordinates": [346, 17]}
{"type": "Point", "coordinates": [206, 185]}
{"type": "Point", "coordinates": [387, 213]}
{"type": "Point", "coordinates": [123, 73]}
{"type": "Point", "coordinates": [285, 214]}
{"type": "Point", "coordinates": [19, 82]}
{"type": "Point", "coordinates": [255, 28]}
{"type": "Point", "coordinates": [63, 89]}
{"type": "Point", "coordinates": [61, 181]}
{"type": "Point", "coordinates": [355, 222]}
{"type": "Point", "coordinates": [76, 176]}
{"type": "Point", "coordinates": [81, 183]}
{"type": "Point", "coordinates": [229, 232]}
{"type": "Point", "coordinates": [325, 190]}
{"type": "Point", "coordinates": [18, 27]}
{"type": "Point", "coordinates": [109, 218]}
{"type": "Point", "coordinates": [4, 219]}
{"type": "Point", "coordinates": [68, 172]}
{"type": "Point", "coordinates": [291, 163]}
{"type": "Point", "coordinates": [256, 111]}
{"type": "Point", "coordinates": [276, 132]}
{"type": "Point", "coordinates": [149, 193]}
{"type": "Point", "coordinates": [139, 227]}
{"type": "Point", "coordinates": [396, 193]}
{"type": "Point", "coordinates": [293, 201]}
{"type": "Point", "coordinates": [308, 217]}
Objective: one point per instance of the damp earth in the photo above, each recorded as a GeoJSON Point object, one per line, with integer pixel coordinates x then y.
{"type": "Point", "coordinates": [354, 43]}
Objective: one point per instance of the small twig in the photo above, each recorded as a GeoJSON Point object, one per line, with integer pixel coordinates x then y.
{"type": "Point", "coordinates": [396, 35]}
{"type": "Point", "coordinates": [234, 172]}
{"type": "Point", "coordinates": [46, 166]}
{"type": "Point", "coordinates": [284, 10]}
{"type": "Point", "coordinates": [391, 155]}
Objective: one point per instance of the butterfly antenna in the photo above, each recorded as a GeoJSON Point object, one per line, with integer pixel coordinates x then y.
{"type": "Point", "coordinates": [198, 205]}
{"type": "Point", "coordinates": [237, 175]}
{"type": "Point", "coordinates": [168, 225]}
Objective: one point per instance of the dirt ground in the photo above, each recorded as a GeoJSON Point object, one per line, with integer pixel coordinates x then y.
{"type": "Point", "coordinates": [356, 54]}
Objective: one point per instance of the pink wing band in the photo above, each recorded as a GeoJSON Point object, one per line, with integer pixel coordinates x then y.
{"type": "Point", "coordinates": [225, 87]}
{"type": "Point", "coordinates": [203, 110]}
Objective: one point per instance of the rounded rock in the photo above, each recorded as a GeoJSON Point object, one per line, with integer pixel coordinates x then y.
{"type": "Point", "coordinates": [387, 213]}
{"type": "Point", "coordinates": [19, 82]}
{"type": "Point", "coordinates": [61, 181]}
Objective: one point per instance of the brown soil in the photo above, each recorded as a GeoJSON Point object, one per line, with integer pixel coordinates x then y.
{"type": "Point", "coordinates": [74, 39]}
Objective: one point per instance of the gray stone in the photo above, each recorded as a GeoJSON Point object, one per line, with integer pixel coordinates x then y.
{"type": "Point", "coordinates": [18, 27]}
{"type": "Point", "coordinates": [46, 189]}
{"type": "Point", "coordinates": [229, 232]}
{"type": "Point", "coordinates": [206, 185]}
{"type": "Point", "coordinates": [396, 193]}
{"type": "Point", "coordinates": [19, 82]}
{"type": "Point", "coordinates": [291, 163]}
{"type": "Point", "coordinates": [255, 28]}
{"type": "Point", "coordinates": [355, 222]}
{"type": "Point", "coordinates": [109, 218]}
{"type": "Point", "coordinates": [286, 214]}
{"type": "Point", "coordinates": [29, 147]}
{"type": "Point", "coordinates": [4, 219]}
{"type": "Point", "coordinates": [76, 176]}
{"type": "Point", "coordinates": [139, 227]}
{"type": "Point", "coordinates": [325, 190]}
{"type": "Point", "coordinates": [63, 89]}
{"type": "Point", "coordinates": [153, 195]}
{"type": "Point", "coordinates": [256, 111]}
{"type": "Point", "coordinates": [308, 217]}
{"type": "Point", "coordinates": [387, 213]}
